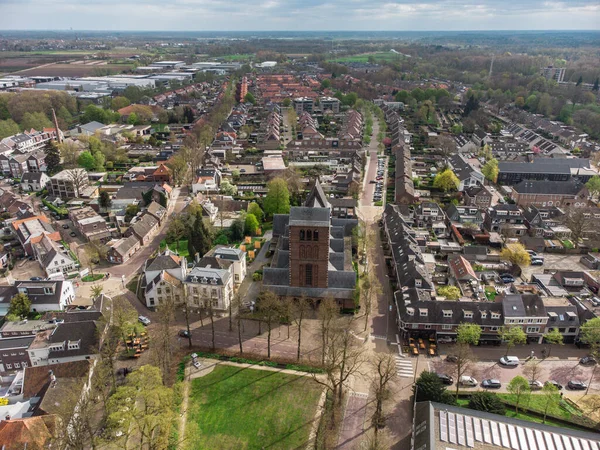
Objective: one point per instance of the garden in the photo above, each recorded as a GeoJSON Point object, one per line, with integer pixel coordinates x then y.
{"type": "Point", "coordinates": [235, 407]}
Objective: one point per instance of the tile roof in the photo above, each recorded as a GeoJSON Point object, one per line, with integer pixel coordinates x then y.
{"type": "Point", "coordinates": [37, 377]}
{"type": "Point", "coordinates": [34, 433]}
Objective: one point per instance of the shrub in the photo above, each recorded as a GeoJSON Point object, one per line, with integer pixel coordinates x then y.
{"type": "Point", "coordinates": [256, 276]}
{"type": "Point", "coordinates": [487, 402]}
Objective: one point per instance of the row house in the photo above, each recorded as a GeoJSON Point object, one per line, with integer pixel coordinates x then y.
{"type": "Point", "coordinates": [431, 216]}
{"type": "Point", "coordinates": [545, 222]}
{"type": "Point", "coordinates": [121, 250]}
{"type": "Point", "coordinates": [543, 193]}
{"type": "Point", "coordinates": [68, 342]}
{"type": "Point", "coordinates": [13, 353]}
{"type": "Point", "coordinates": [90, 224]}
{"type": "Point", "coordinates": [32, 140]}
{"type": "Point", "coordinates": [353, 126]}
{"type": "Point", "coordinates": [505, 219]}
{"type": "Point", "coordinates": [550, 169]}
{"type": "Point", "coordinates": [526, 311]}
{"type": "Point", "coordinates": [144, 229]}
{"type": "Point", "coordinates": [458, 214]}
{"type": "Point", "coordinates": [466, 172]}
{"type": "Point", "coordinates": [316, 149]}
{"type": "Point", "coordinates": [405, 193]}
{"type": "Point", "coordinates": [17, 164]}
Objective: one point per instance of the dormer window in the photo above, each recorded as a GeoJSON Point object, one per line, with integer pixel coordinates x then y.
{"type": "Point", "coordinates": [447, 313]}
{"type": "Point", "coordinates": [410, 311]}
{"type": "Point", "coordinates": [484, 314]}
{"type": "Point", "coordinates": [495, 315]}
{"type": "Point", "coordinates": [423, 312]}
{"type": "Point", "coordinates": [468, 314]}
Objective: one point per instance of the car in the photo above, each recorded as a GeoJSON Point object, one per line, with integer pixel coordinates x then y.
{"type": "Point", "coordinates": [466, 380]}
{"type": "Point", "coordinates": [537, 262]}
{"type": "Point", "coordinates": [535, 385]}
{"type": "Point", "coordinates": [576, 385]}
{"type": "Point", "coordinates": [36, 279]}
{"type": "Point", "coordinates": [452, 358]}
{"type": "Point", "coordinates": [242, 170]}
{"type": "Point", "coordinates": [509, 361]}
{"type": "Point", "coordinates": [372, 181]}
{"type": "Point", "coordinates": [556, 384]}
{"type": "Point", "coordinates": [491, 383]}
{"type": "Point", "coordinates": [595, 301]}
{"type": "Point", "coordinates": [72, 234]}
{"type": "Point", "coordinates": [444, 340]}
{"type": "Point", "coordinates": [144, 320]}
{"type": "Point", "coordinates": [507, 280]}
{"type": "Point", "coordinates": [594, 289]}
{"type": "Point", "coordinates": [184, 333]}
{"type": "Point", "coordinates": [588, 361]}
{"type": "Point", "coordinates": [446, 379]}
{"type": "Point", "coordinates": [531, 252]}
{"type": "Point", "coordinates": [65, 226]}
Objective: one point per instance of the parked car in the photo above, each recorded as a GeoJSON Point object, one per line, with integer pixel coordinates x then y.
{"type": "Point", "coordinates": [491, 383]}
{"type": "Point", "coordinates": [372, 181]}
{"type": "Point", "coordinates": [595, 301]}
{"type": "Point", "coordinates": [587, 361]}
{"type": "Point", "coordinates": [452, 358]}
{"type": "Point", "coordinates": [65, 226]}
{"type": "Point", "coordinates": [36, 279]}
{"type": "Point", "coordinates": [466, 380]}
{"type": "Point", "coordinates": [535, 385]}
{"type": "Point", "coordinates": [446, 379]}
{"type": "Point", "coordinates": [445, 340]}
{"type": "Point", "coordinates": [73, 234]}
{"type": "Point", "coordinates": [144, 320]}
{"type": "Point", "coordinates": [509, 361]}
{"type": "Point", "coordinates": [184, 333]}
{"type": "Point", "coordinates": [537, 262]}
{"type": "Point", "coordinates": [577, 385]}
{"type": "Point", "coordinates": [556, 384]}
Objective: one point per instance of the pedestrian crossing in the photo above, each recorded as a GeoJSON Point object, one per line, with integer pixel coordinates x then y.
{"type": "Point", "coordinates": [404, 367]}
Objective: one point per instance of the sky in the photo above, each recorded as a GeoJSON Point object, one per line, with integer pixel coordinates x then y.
{"type": "Point", "coordinates": [299, 15]}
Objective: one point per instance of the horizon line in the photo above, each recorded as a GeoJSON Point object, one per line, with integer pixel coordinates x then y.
{"type": "Point", "coordinates": [306, 31]}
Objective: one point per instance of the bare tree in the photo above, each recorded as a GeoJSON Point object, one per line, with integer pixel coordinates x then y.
{"type": "Point", "coordinates": [237, 299]}
{"type": "Point", "coordinates": [162, 339]}
{"type": "Point", "coordinates": [300, 309]}
{"type": "Point", "coordinates": [211, 316]}
{"type": "Point", "coordinates": [370, 287]}
{"type": "Point", "coordinates": [328, 312]}
{"type": "Point", "coordinates": [384, 365]}
{"type": "Point", "coordinates": [579, 221]}
{"type": "Point", "coordinates": [186, 312]}
{"type": "Point", "coordinates": [532, 369]}
{"type": "Point", "coordinates": [269, 308]}
{"type": "Point", "coordinates": [78, 178]}
{"type": "Point", "coordinates": [95, 251]}
{"type": "Point", "coordinates": [464, 361]}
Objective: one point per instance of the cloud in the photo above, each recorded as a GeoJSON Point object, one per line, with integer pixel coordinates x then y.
{"type": "Point", "coordinates": [225, 15]}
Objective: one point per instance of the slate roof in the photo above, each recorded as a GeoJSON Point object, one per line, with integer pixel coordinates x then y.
{"type": "Point", "coordinates": [32, 177]}
{"type": "Point", "coordinates": [35, 291]}
{"type": "Point", "coordinates": [221, 276]}
{"type": "Point", "coordinates": [571, 187]}
{"type": "Point", "coordinates": [163, 262]}
{"type": "Point", "coordinates": [522, 305]}
{"type": "Point", "coordinates": [435, 312]}
{"type": "Point", "coordinates": [316, 197]}
{"type": "Point", "coordinates": [306, 216]}
{"type": "Point", "coordinates": [85, 332]}
{"type": "Point", "coordinates": [461, 167]}
{"type": "Point", "coordinates": [144, 225]}
{"type": "Point", "coordinates": [230, 253]}
{"type": "Point", "coordinates": [17, 342]}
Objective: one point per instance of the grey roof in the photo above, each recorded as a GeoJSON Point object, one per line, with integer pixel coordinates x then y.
{"type": "Point", "coordinates": [316, 197]}
{"type": "Point", "coordinates": [523, 305]}
{"type": "Point", "coordinates": [230, 253]}
{"type": "Point", "coordinates": [74, 316]}
{"type": "Point", "coordinates": [144, 225]}
{"type": "Point", "coordinates": [32, 177]}
{"type": "Point", "coordinates": [544, 165]}
{"type": "Point", "coordinates": [305, 216]}
{"type": "Point", "coordinates": [35, 291]}
{"type": "Point", "coordinates": [435, 312]}
{"type": "Point", "coordinates": [84, 331]}
{"type": "Point", "coordinates": [280, 223]}
{"type": "Point", "coordinates": [92, 126]}
{"type": "Point", "coordinates": [162, 262]}
{"type": "Point", "coordinates": [197, 274]}
{"type": "Point", "coordinates": [461, 167]}
{"type": "Point", "coordinates": [18, 342]}
{"type": "Point", "coordinates": [571, 187]}
{"type": "Point", "coordinates": [126, 244]}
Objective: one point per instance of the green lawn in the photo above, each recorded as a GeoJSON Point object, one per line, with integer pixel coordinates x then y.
{"type": "Point", "coordinates": [567, 244]}
{"type": "Point", "coordinates": [490, 293]}
{"type": "Point", "coordinates": [237, 408]}
{"type": "Point", "coordinates": [537, 402]}
{"type": "Point", "coordinates": [182, 250]}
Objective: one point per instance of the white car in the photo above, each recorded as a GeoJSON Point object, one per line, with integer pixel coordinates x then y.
{"type": "Point", "coordinates": [466, 380]}
{"type": "Point", "coordinates": [144, 320]}
{"type": "Point", "coordinates": [444, 340]}
{"type": "Point", "coordinates": [509, 361]}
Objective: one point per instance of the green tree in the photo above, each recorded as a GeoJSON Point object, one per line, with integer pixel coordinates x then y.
{"type": "Point", "coordinates": [593, 185]}
{"type": "Point", "coordinates": [254, 208]}
{"type": "Point", "coordinates": [518, 387]}
{"type": "Point", "coordinates": [553, 337]}
{"type": "Point", "coordinates": [450, 292]}
{"type": "Point", "coordinates": [277, 200]}
{"type": "Point", "coordinates": [131, 211]}
{"type": "Point", "coordinates": [133, 119]}
{"type": "Point", "coordinates": [249, 98]}
{"type": "Point", "coordinates": [513, 336]}
{"type": "Point", "coordinates": [287, 102]}
{"type": "Point", "coordinates": [596, 86]}
{"type": "Point", "coordinates": [36, 120]}
{"type": "Point", "coordinates": [250, 224]}
{"type": "Point", "coordinates": [490, 170]}
{"type": "Point", "coordinates": [237, 229]}
{"type": "Point", "coordinates": [226, 188]}
{"type": "Point", "coordinates": [119, 102]}
{"type": "Point", "coordinates": [52, 158]}
{"type": "Point", "coordinates": [590, 334]}
{"type": "Point", "coordinates": [86, 160]}
{"type": "Point", "coordinates": [486, 402]}
{"type": "Point", "coordinates": [99, 161]}
{"type": "Point", "coordinates": [515, 254]}
{"type": "Point", "coordinates": [176, 230]}
{"type": "Point", "coordinates": [178, 166]}
{"type": "Point", "coordinates": [468, 333]}
{"type": "Point", "coordinates": [104, 200]}
{"type": "Point", "coordinates": [456, 128]}
{"type": "Point", "coordinates": [520, 102]}
{"type": "Point", "coordinates": [551, 396]}
{"type": "Point", "coordinates": [446, 181]}
{"type": "Point", "coordinates": [8, 128]}
{"type": "Point", "coordinates": [429, 388]}
{"type": "Point", "coordinates": [579, 81]}
{"type": "Point", "coordinates": [20, 305]}
{"type": "Point", "coordinates": [199, 240]}
{"type": "Point", "coordinates": [326, 84]}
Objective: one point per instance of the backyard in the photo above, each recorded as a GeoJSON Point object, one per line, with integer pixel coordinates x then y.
{"type": "Point", "coordinates": [234, 407]}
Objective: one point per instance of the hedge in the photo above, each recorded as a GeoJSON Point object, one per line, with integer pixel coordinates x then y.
{"type": "Point", "coordinates": [51, 207]}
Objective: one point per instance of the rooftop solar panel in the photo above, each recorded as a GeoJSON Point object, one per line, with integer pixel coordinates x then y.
{"type": "Point", "coordinates": [495, 433]}
{"type": "Point", "coordinates": [451, 428]}
{"type": "Point", "coordinates": [469, 431]}
{"type": "Point", "coordinates": [443, 427]}
{"type": "Point", "coordinates": [522, 437]}
{"type": "Point", "coordinates": [460, 429]}
{"type": "Point", "coordinates": [487, 435]}
{"type": "Point", "coordinates": [477, 429]}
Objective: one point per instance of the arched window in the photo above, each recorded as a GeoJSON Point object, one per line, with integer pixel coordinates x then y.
{"type": "Point", "coordinates": [308, 273]}
{"type": "Point", "coordinates": [316, 235]}
{"type": "Point", "coordinates": [301, 235]}
{"type": "Point", "coordinates": [309, 235]}
{"type": "Point", "coordinates": [302, 252]}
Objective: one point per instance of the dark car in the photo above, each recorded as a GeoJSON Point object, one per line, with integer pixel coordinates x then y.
{"type": "Point", "coordinates": [507, 279]}
{"type": "Point", "coordinates": [72, 234]}
{"type": "Point", "coordinates": [445, 379]}
{"type": "Point", "coordinates": [491, 383]}
{"type": "Point", "coordinates": [184, 333]}
{"type": "Point", "coordinates": [587, 361]}
{"type": "Point", "coordinates": [452, 358]}
{"type": "Point", "coordinates": [556, 384]}
{"type": "Point", "coordinates": [36, 279]}
{"type": "Point", "coordinates": [65, 226]}
{"type": "Point", "coordinates": [576, 385]}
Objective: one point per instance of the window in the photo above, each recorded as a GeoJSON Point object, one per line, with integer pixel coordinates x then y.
{"type": "Point", "coordinates": [495, 315]}
{"type": "Point", "coordinates": [415, 325]}
{"type": "Point", "coordinates": [423, 312]}
{"type": "Point", "coordinates": [428, 327]}
{"type": "Point", "coordinates": [237, 277]}
{"type": "Point", "coordinates": [446, 327]}
{"type": "Point", "coordinates": [159, 291]}
{"type": "Point", "coordinates": [24, 364]}
{"type": "Point", "coordinates": [213, 292]}
{"type": "Point", "coordinates": [468, 314]}
{"type": "Point", "coordinates": [309, 235]}
{"type": "Point", "coordinates": [572, 330]}
{"type": "Point", "coordinates": [417, 283]}
{"type": "Point", "coordinates": [533, 329]}
{"type": "Point", "coordinates": [562, 330]}
{"type": "Point", "coordinates": [9, 366]}
{"type": "Point", "coordinates": [316, 235]}
{"type": "Point", "coordinates": [493, 328]}
{"type": "Point", "coordinates": [447, 313]}
{"type": "Point", "coordinates": [301, 235]}
{"type": "Point", "coordinates": [484, 314]}
{"type": "Point", "coordinates": [308, 274]}
{"type": "Point", "coordinates": [151, 301]}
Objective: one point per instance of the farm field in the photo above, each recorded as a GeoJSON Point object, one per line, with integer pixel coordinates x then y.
{"type": "Point", "coordinates": [72, 70]}
{"type": "Point", "coordinates": [234, 407]}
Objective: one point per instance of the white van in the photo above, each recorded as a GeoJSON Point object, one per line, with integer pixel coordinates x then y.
{"type": "Point", "coordinates": [467, 381]}
{"type": "Point", "coordinates": [509, 361]}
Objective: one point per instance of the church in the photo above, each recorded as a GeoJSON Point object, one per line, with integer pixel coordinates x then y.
{"type": "Point", "coordinates": [313, 252]}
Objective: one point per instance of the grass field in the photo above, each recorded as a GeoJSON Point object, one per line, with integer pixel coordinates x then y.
{"type": "Point", "coordinates": [364, 57]}
{"type": "Point", "coordinates": [236, 408]}
{"type": "Point", "coordinates": [182, 250]}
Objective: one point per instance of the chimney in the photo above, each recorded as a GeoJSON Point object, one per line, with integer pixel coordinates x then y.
{"type": "Point", "coordinates": [58, 136]}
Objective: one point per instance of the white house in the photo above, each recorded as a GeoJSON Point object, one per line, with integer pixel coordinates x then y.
{"type": "Point", "coordinates": [44, 295]}
{"type": "Point", "coordinates": [467, 174]}
{"type": "Point", "coordinates": [164, 277]}
{"type": "Point", "coordinates": [34, 181]}
{"type": "Point", "coordinates": [53, 257]}
{"type": "Point", "coordinates": [207, 284]}
{"type": "Point", "coordinates": [236, 256]}
{"type": "Point", "coordinates": [70, 341]}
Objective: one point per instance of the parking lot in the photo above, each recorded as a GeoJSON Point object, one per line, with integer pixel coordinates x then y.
{"type": "Point", "coordinates": [554, 261]}
{"type": "Point", "coordinates": [562, 366]}
{"type": "Point", "coordinates": [379, 179]}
